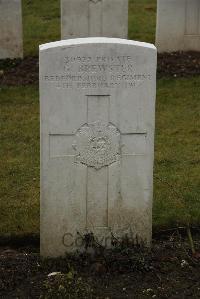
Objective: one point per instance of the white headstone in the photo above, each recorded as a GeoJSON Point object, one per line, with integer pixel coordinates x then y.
{"type": "Point", "coordinates": [11, 44]}
{"type": "Point", "coordinates": [87, 18]}
{"type": "Point", "coordinates": [178, 25]}
{"type": "Point", "coordinates": [97, 100]}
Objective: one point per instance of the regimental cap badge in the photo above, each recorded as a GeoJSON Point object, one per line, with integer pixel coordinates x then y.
{"type": "Point", "coordinates": [98, 144]}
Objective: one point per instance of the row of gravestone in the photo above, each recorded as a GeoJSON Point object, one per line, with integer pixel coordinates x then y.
{"type": "Point", "coordinates": [97, 105]}
{"type": "Point", "coordinates": [178, 23]}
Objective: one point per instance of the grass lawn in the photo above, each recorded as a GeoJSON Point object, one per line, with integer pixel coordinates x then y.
{"type": "Point", "coordinates": [142, 20]}
{"type": "Point", "coordinates": [177, 177]}
{"type": "Point", "coordinates": [177, 150]}
{"type": "Point", "coordinates": [41, 20]}
{"type": "Point", "coordinates": [19, 160]}
{"type": "Point", "coordinates": [176, 156]}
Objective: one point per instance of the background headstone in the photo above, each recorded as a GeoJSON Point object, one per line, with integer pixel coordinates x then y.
{"type": "Point", "coordinates": [178, 25]}
{"type": "Point", "coordinates": [87, 18]}
{"type": "Point", "coordinates": [97, 100]}
{"type": "Point", "coordinates": [11, 42]}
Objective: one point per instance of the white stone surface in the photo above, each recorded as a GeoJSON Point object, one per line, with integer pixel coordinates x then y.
{"type": "Point", "coordinates": [97, 99]}
{"type": "Point", "coordinates": [178, 25]}
{"type": "Point", "coordinates": [87, 18]}
{"type": "Point", "coordinates": [11, 44]}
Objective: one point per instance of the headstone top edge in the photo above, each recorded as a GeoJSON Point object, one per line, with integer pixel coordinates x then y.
{"type": "Point", "coordinates": [95, 40]}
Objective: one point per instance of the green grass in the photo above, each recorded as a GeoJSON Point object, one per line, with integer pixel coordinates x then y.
{"type": "Point", "coordinates": [176, 156]}
{"type": "Point", "coordinates": [19, 160]}
{"type": "Point", "coordinates": [177, 148]}
{"type": "Point", "coordinates": [41, 22]}
{"type": "Point", "coordinates": [142, 20]}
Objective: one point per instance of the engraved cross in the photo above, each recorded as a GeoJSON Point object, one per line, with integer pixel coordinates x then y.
{"type": "Point", "coordinates": [97, 146]}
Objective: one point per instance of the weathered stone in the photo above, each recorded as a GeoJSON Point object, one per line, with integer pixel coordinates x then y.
{"type": "Point", "coordinates": [87, 18]}
{"type": "Point", "coordinates": [97, 100]}
{"type": "Point", "coordinates": [11, 44]}
{"type": "Point", "coordinates": [178, 25]}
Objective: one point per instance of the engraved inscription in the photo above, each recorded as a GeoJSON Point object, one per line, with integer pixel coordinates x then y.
{"type": "Point", "coordinates": [87, 72]}
{"type": "Point", "coordinates": [98, 144]}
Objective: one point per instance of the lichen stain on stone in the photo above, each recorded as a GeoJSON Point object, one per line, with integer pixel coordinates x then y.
{"type": "Point", "coordinates": [130, 221]}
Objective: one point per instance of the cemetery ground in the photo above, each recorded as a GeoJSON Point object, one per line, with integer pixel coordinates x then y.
{"type": "Point", "coordinates": [169, 269]}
